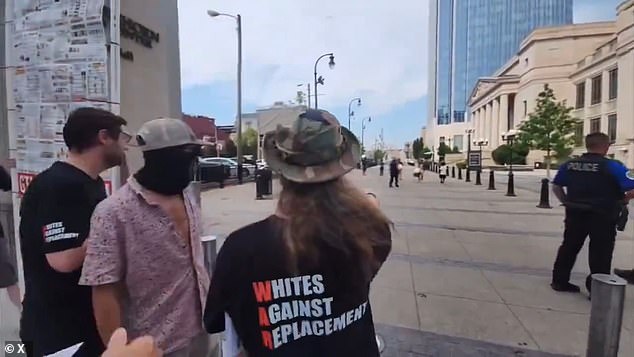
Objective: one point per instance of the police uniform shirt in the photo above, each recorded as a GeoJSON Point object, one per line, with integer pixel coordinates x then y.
{"type": "Point", "coordinates": [591, 168]}
{"type": "Point", "coordinates": [55, 216]}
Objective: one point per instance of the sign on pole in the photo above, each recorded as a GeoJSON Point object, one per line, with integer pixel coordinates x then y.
{"type": "Point", "coordinates": [475, 158]}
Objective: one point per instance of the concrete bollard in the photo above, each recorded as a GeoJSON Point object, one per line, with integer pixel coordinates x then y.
{"type": "Point", "coordinates": [491, 180]}
{"type": "Point", "coordinates": [478, 178]}
{"type": "Point", "coordinates": [606, 315]}
{"type": "Point", "coordinates": [544, 201]}
{"type": "Point", "coordinates": [459, 174]}
{"type": "Point", "coordinates": [453, 172]}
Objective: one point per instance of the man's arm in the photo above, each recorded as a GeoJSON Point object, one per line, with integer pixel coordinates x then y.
{"type": "Point", "coordinates": [559, 193]}
{"type": "Point", "coordinates": [67, 261]}
{"type": "Point", "coordinates": [107, 309]}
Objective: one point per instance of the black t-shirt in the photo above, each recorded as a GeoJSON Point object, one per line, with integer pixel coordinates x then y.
{"type": "Point", "coordinates": [55, 216]}
{"type": "Point", "coordinates": [316, 312]}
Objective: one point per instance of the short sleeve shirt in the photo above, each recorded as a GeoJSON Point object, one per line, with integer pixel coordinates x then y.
{"type": "Point", "coordinates": [55, 216]}
{"type": "Point", "coordinates": [134, 242]}
{"type": "Point", "coordinates": [279, 313]}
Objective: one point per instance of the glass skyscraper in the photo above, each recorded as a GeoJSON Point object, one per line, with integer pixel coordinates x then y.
{"type": "Point", "coordinates": [470, 39]}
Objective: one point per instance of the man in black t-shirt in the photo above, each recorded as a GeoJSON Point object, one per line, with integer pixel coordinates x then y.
{"type": "Point", "coordinates": [55, 219]}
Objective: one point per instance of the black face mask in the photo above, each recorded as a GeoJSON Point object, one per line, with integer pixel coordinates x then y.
{"type": "Point", "coordinates": [167, 171]}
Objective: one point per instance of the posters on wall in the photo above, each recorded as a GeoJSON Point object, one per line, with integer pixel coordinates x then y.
{"type": "Point", "coordinates": [59, 64]}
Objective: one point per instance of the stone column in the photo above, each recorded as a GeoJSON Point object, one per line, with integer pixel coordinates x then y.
{"type": "Point", "coordinates": [495, 124]}
{"type": "Point", "coordinates": [488, 122]}
{"type": "Point", "coordinates": [504, 115]}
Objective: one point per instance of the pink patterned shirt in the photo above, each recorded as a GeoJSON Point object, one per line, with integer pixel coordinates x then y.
{"type": "Point", "coordinates": [134, 242]}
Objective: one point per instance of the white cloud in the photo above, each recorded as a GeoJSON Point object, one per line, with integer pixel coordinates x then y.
{"type": "Point", "coordinates": [380, 48]}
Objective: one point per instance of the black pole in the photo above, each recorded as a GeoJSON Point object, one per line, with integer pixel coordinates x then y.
{"type": "Point", "coordinates": [453, 172]}
{"type": "Point", "coordinates": [478, 178]}
{"type": "Point", "coordinates": [543, 195]}
{"type": "Point", "coordinates": [459, 174]}
{"type": "Point", "coordinates": [491, 180]}
{"type": "Point", "coordinates": [510, 190]}
{"type": "Point", "coordinates": [468, 173]}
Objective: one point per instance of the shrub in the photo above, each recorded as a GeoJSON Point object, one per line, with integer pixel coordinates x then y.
{"type": "Point", "coordinates": [461, 164]}
{"type": "Point", "coordinates": [502, 155]}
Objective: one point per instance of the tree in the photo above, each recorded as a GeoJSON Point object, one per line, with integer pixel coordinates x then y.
{"type": "Point", "coordinates": [229, 149]}
{"type": "Point", "coordinates": [249, 142]}
{"type": "Point", "coordinates": [418, 148]}
{"type": "Point", "coordinates": [549, 128]}
{"type": "Point", "coordinates": [379, 155]}
{"type": "Point", "coordinates": [444, 149]}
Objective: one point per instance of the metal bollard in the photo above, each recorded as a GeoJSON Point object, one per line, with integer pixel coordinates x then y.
{"type": "Point", "coordinates": [544, 201]}
{"type": "Point", "coordinates": [453, 172]}
{"type": "Point", "coordinates": [510, 187]}
{"type": "Point", "coordinates": [606, 315]}
{"type": "Point", "coordinates": [459, 174]}
{"type": "Point", "coordinates": [491, 180]}
{"type": "Point", "coordinates": [478, 178]}
{"type": "Point", "coordinates": [468, 175]}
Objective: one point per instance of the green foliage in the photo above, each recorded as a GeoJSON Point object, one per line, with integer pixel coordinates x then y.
{"type": "Point", "coordinates": [550, 127]}
{"type": "Point", "coordinates": [455, 150]}
{"type": "Point", "coordinates": [249, 142]}
{"type": "Point", "coordinates": [230, 149]}
{"type": "Point", "coordinates": [418, 148]}
{"type": "Point", "coordinates": [379, 155]}
{"type": "Point", "coordinates": [461, 164]}
{"type": "Point", "coordinates": [502, 155]}
{"type": "Point", "coordinates": [444, 149]}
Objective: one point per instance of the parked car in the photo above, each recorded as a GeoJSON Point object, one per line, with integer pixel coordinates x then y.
{"type": "Point", "coordinates": [411, 162]}
{"type": "Point", "coordinates": [212, 172]}
{"type": "Point", "coordinates": [261, 164]}
{"type": "Point", "coordinates": [247, 169]}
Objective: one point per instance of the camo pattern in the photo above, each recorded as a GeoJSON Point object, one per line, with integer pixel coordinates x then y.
{"type": "Point", "coordinates": [315, 148]}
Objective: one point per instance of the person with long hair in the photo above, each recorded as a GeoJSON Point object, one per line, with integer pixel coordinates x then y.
{"type": "Point", "coordinates": [297, 283]}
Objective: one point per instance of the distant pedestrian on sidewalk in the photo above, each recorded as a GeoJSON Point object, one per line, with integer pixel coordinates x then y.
{"type": "Point", "coordinates": [443, 171]}
{"type": "Point", "coordinates": [394, 172]}
{"type": "Point", "coordinates": [381, 168]}
{"type": "Point", "coordinates": [8, 272]}
{"type": "Point", "coordinates": [297, 283]}
{"type": "Point", "coordinates": [56, 210]}
{"type": "Point", "coordinates": [400, 169]}
{"type": "Point", "coordinates": [595, 188]}
{"type": "Point", "coordinates": [364, 164]}
{"type": "Point", "coordinates": [418, 173]}
{"type": "Point", "coordinates": [144, 258]}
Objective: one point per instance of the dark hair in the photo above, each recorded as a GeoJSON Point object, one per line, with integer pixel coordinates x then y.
{"type": "Point", "coordinates": [83, 126]}
{"type": "Point", "coordinates": [336, 216]}
{"type": "Point", "coordinates": [596, 140]}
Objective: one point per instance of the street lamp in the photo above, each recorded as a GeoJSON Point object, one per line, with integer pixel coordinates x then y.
{"type": "Point", "coordinates": [320, 80]}
{"type": "Point", "coordinates": [363, 130]}
{"type": "Point", "coordinates": [238, 18]}
{"type": "Point", "coordinates": [468, 174]}
{"type": "Point", "coordinates": [509, 137]}
{"type": "Point", "coordinates": [350, 112]}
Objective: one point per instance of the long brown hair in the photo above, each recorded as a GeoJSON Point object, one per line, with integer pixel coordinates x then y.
{"type": "Point", "coordinates": [336, 215]}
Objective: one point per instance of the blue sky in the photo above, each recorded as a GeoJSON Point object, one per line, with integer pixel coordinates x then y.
{"type": "Point", "coordinates": [380, 51]}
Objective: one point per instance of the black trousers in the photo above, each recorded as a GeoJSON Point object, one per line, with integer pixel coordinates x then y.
{"type": "Point", "coordinates": [601, 227]}
{"type": "Point", "coordinates": [393, 179]}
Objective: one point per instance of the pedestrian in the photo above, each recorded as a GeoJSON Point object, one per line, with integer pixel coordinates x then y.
{"type": "Point", "coordinates": [55, 221]}
{"type": "Point", "coordinates": [8, 273]}
{"type": "Point", "coordinates": [400, 170]}
{"type": "Point", "coordinates": [418, 173]}
{"type": "Point", "coordinates": [394, 172]}
{"type": "Point", "coordinates": [297, 283]}
{"type": "Point", "coordinates": [442, 172]}
{"type": "Point", "coordinates": [381, 168]}
{"type": "Point", "coordinates": [145, 241]}
{"type": "Point", "coordinates": [595, 188]}
{"type": "Point", "coordinates": [364, 164]}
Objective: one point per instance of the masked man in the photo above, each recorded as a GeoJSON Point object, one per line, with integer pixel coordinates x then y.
{"type": "Point", "coordinates": [144, 257]}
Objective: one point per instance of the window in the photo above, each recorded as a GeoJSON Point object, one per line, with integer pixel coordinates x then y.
{"type": "Point", "coordinates": [579, 135]}
{"type": "Point", "coordinates": [457, 142]}
{"type": "Point", "coordinates": [612, 127]}
{"type": "Point", "coordinates": [595, 125]}
{"type": "Point", "coordinates": [614, 83]}
{"type": "Point", "coordinates": [458, 116]}
{"type": "Point", "coordinates": [596, 90]}
{"type": "Point", "coordinates": [441, 140]}
{"type": "Point", "coordinates": [525, 108]}
{"type": "Point", "coordinates": [581, 95]}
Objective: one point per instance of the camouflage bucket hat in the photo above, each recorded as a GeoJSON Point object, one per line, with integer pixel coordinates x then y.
{"type": "Point", "coordinates": [316, 148]}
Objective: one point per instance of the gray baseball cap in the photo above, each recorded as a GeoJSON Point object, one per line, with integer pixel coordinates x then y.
{"type": "Point", "coordinates": [164, 133]}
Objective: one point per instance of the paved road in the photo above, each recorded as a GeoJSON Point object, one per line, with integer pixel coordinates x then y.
{"type": "Point", "coordinates": [469, 270]}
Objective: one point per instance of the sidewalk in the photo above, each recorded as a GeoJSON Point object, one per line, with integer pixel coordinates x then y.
{"type": "Point", "coordinates": [469, 271]}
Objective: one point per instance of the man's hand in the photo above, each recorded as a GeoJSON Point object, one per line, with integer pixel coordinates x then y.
{"type": "Point", "coordinates": [629, 195]}
{"type": "Point", "coordinates": [141, 347]}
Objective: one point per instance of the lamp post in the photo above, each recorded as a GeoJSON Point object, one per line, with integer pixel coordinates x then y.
{"type": "Point", "coordinates": [480, 143]}
{"type": "Point", "coordinates": [509, 137]}
{"type": "Point", "coordinates": [468, 174]}
{"type": "Point", "coordinates": [350, 112]}
{"type": "Point", "coordinates": [320, 80]}
{"type": "Point", "coordinates": [363, 130]}
{"type": "Point", "coordinates": [238, 18]}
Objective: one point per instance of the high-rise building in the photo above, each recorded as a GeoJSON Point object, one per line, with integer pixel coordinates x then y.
{"type": "Point", "coordinates": [470, 39]}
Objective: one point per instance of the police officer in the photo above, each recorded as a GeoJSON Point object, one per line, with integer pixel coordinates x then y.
{"type": "Point", "coordinates": [596, 188]}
